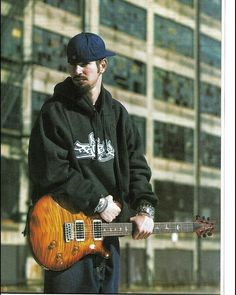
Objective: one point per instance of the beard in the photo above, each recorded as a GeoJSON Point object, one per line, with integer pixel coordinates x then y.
{"type": "Point", "coordinates": [82, 87]}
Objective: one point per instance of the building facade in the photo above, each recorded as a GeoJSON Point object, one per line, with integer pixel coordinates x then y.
{"type": "Point", "coordinates": [154, 75]}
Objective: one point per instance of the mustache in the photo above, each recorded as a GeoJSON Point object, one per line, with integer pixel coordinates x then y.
{"type": "Point", "coordinates": [80, 78]}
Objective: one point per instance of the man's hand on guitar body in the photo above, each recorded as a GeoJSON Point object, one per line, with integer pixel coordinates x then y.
{"type": "Point", "coordinates": [143, 226]}
{"type": "Point", "coordinates": [111, 211]}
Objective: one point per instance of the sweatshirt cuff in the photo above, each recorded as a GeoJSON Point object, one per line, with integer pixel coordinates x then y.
{"type": "Point", "coordinates": [146, 208]}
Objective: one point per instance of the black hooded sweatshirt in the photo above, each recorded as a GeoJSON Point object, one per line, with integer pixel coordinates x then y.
{"type": "Point", "coordinates": [86, 152]}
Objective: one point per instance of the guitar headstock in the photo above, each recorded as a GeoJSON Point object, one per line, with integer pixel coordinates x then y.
{"type": "Point", "coordinates": [204, 226]}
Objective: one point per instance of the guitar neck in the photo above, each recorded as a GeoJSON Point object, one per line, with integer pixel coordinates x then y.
{"type": "Point", "coordinates": [126, 229]}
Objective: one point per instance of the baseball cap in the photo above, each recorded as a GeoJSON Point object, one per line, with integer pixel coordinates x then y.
{"type": "Point", "coordinates": [86, 47]}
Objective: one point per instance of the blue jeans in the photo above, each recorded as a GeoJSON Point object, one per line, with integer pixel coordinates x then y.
{"type": "Point", "coordinates": [92, 274]}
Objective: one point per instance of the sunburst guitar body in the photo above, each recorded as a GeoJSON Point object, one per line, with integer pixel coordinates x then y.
{"type": "Point", "coordinates": [59, 236]}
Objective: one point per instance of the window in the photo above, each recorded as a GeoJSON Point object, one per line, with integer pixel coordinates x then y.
{"type": "Point", "coordinates": [210, 99]}
{"type": "Point", "coordinates": [125, 17]}
{"type": "Point", "coordinates": [49, 49]}
{"type": "Point", "coordinates": [179, 273]}
{"type": "Point", "coordinates": [175, 201]}
{"type": "Point", "coordinates": [11, 106]}
{"type": "Point", "coordinates": [173, 36]}
{"type": "Point", "coordinates": [10, 169]}
{"type": "Point", "coordinates": [38, 99]}
{"type": "Point", "coordinates": [140, 123]}
{"type": "Point", "coordinates": [173, 88]}
{"type": "Point", "coordinates": [210, 204]}
{"type": "Point", "coordinates": [211, 8]}
{"type": "Point", "coordinates": [75, 6]}
{"type": "Point", "coordinates": [173, 142]}
{"type": "Point", "coordinates": [210, 51]}
{"type": "Point", "coordinates": [186, 2]}
{"type": "Point", "coordinates": [11, 38]}
{"type": "Point", "coordinates": [210, 150]}
{"type": "Point", "coordinates": [13, 8]}
{"type": "Point", "coordinates": [127, 74]}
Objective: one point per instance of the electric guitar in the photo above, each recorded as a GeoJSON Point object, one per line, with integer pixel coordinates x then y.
{"type": "Point", "coordinates": [59, 236]}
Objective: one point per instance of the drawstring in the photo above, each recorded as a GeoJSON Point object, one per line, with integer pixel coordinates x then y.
{"type": "Point", "coordinates": [104, 132]}
{"type": "Point", "coordinates": [95, 122]}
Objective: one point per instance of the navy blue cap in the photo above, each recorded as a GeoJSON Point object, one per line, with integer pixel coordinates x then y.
{"type": "Point", "coordinates": [86, 47]}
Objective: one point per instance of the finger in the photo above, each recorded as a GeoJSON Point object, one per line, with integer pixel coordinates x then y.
{"type": "Point", "coordinates": [135, 235]}
{"type": "Point", "coordinates": [109, 198]}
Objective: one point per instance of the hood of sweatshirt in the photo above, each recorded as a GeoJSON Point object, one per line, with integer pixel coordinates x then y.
{"type": "Point", "coordinates": [69, 94]}
{"type": "Point", "coordinates": [99, 114]}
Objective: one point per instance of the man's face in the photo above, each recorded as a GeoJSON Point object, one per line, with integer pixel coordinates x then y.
{"type": "Point", "coordinates": [85, 75]}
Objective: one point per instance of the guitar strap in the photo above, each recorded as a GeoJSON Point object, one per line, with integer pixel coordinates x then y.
{"type": "Point", "coordinates": [26, 229]}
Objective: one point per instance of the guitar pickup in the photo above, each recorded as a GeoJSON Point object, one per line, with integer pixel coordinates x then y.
{"type": "Point", "coordinates": [79, 230]}
{"type": "Point", "coordinates": [69, 231]}
{"type": "Point", "coordinates": [97, 229]}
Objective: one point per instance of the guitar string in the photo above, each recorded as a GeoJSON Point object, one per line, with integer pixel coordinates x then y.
{"type": "Point", "coordinates": [125, 229]}
{"type": "Point", "coordinates": [121, 230]}
{"type": "Point", "coordinates": [128, 229]}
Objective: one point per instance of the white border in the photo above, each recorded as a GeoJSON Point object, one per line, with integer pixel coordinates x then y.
{"type": "Point", "coordinates": [228, 150]}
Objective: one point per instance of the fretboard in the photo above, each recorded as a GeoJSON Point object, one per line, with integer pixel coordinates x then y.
{"type": "Point", "coordinates": [125, 229]}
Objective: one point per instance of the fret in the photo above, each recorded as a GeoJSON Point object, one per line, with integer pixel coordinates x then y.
{"type": "Point", "coordinates": [173, 227]}
{"type": "Point", "coordinates": [125, 229]}
{"type": "Point", "coordinates": [116, 229]}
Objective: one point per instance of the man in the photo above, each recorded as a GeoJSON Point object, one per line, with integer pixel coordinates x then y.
{"type": "Point", "coordinates": [85, 147]}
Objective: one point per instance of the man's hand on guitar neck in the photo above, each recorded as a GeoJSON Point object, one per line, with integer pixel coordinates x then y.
{"type": "Point", "coordinates": [111, 211]}
{"type": "Point", "coordinates": [143, 226]}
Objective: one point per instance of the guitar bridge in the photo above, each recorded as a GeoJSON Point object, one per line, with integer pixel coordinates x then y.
{"type": "Point", "coordinates": [97, 229]}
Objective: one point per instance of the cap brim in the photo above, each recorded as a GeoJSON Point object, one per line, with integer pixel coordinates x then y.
{"type": "Point", "coordinates": [110, 53]}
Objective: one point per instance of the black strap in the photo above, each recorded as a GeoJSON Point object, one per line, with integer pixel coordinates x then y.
{"type": "Point", "coordinates": [26, 229]}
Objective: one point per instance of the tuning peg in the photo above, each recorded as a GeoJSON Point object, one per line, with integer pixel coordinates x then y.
{"type": "Point", "coordinates": [209, 234]}
{"type": "Point", "coordinates": [208, 218]}
{"type": "Point", "coordinates": [204, 235]}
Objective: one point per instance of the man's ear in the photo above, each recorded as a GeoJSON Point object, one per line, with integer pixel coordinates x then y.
{"type": "Point", "coordinates": [103, 65]}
